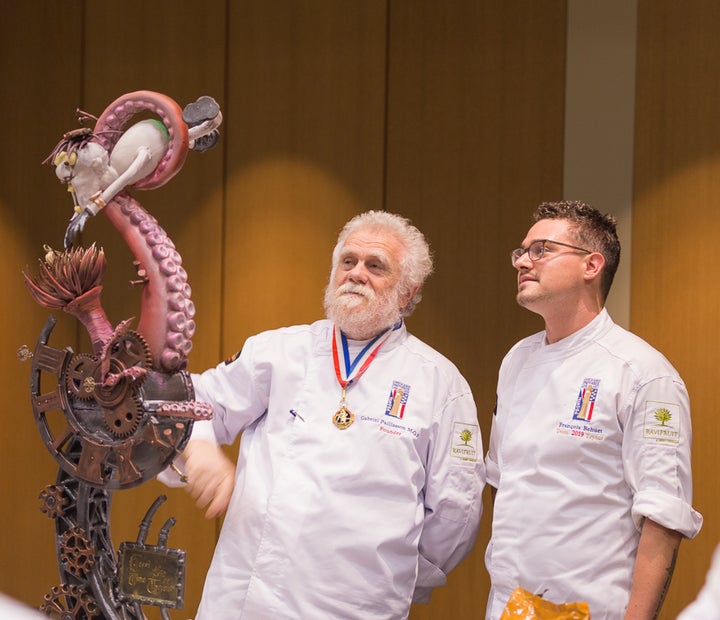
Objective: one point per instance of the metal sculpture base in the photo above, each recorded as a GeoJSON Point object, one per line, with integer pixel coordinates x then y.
{"type": "Point", "coordinates": [106, 440]}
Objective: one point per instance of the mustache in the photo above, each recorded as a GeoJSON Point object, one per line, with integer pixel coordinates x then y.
{"type": "Point", "coordinates": [354, 288]}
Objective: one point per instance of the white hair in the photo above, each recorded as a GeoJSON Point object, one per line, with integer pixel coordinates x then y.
{"type": "Point", "coordinates": [416, 263]}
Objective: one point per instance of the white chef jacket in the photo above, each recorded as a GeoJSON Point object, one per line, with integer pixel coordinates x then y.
{"type": "Point", "coordinates": [327, 523]}
{"type": "Point", "coordinates": [590, 435]}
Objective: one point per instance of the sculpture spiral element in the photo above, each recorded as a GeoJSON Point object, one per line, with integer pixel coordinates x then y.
{"type": "Point", "coordinates": [120, 111]}
{"type": "Point", "coordinates": [166, 319]}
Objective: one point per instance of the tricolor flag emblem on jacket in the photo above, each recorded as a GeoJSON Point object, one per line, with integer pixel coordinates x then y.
{"type": "Point", "coordinates": [397, 400]}
{"type": "Point", "coordinates": [585, 404]}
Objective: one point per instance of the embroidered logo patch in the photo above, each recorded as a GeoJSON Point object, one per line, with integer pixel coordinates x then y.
{"type": "Point", "coordinates": [397, 400]}
{"type": "Point", "coordinates": [662, 422]}
{"type": "Point", "coordinates": [465, 441]}
{"type": "Point", "coordinates": [581, 425]}
{"type": "Point", "coordinates": [586, 400]}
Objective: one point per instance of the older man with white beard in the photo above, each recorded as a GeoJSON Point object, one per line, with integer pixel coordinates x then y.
{"type": "Point", "coordinates": [360, 471]}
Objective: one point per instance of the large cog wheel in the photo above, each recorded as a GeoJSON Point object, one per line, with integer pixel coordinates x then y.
{"type": "Point", "coordinates": [122, 436]}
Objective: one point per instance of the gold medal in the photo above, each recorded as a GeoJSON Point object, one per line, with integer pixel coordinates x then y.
{"type": "Point", "coordinates": [343, 418]}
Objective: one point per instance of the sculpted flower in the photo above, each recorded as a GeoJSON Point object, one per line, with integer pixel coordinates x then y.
{"type": "Point", "coordinates": [65, 276]}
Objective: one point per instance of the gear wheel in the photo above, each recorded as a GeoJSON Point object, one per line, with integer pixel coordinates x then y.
{"type": "Point", "coordinates": [76, 552]}
{"type": "Point", "coordinates": [123, 419]}
{"type": "Point", "coordinates": [80, 376]}
{"type": "Point", "coordinates": [53, 501]}
{"type": "Point", "coordinates": [68, 602]}
{"type": "Point", "coordinates": [124, 351]}
{"type": "Point", "coordinates": [130, 349]}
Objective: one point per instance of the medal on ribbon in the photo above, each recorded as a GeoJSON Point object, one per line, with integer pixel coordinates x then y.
{"type": "Point", "coordinates": [343, 417]}
{"type": "Point", "coordinates": [349, 372]}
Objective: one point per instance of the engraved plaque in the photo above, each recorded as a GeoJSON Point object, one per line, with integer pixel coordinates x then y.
{"type": "Point", "coordinates": [152, 575]}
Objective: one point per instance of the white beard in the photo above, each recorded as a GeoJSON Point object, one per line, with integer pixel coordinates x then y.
{"type": "Point", "coordinates": [359, 312]}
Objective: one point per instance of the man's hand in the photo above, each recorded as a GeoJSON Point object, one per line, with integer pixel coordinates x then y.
{"type": "Point", "coordinates": [210, 476]}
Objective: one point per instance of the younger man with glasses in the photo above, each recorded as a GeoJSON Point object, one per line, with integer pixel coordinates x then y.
{"type": "Point", "coordinates": [590, 441]}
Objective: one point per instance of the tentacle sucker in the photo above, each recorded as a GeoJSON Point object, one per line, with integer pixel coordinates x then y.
{"type": "Point", "coordinates": [166, 318]}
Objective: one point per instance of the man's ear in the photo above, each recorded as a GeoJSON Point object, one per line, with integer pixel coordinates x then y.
{"type": "Point", "coordinates": [406, 299]}
{"type": "Point", "coordinates": [594, 264]}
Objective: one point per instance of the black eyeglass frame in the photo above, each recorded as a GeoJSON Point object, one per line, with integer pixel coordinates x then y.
{"type": "Point", "coordinates": [539, 250]}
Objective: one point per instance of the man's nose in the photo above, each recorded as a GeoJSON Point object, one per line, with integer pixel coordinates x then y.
{"type": "Point", "coordinates": [358, 273]}
{"type": "Point", "coordinates": [523, 261]}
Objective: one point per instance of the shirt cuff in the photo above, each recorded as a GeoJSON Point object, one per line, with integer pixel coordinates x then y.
{"type": "Point", "coordinates": [670, 512]}
{"type": "Point", "coordinates": [429, 577]}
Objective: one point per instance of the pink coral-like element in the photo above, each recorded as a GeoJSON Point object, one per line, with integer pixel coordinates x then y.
{"type": "Point", "coordinates": [89, 311]}
{"type": "Point", "coordinates": [71, 281]}
{"type": "Point", "coordinates": [166, 318]}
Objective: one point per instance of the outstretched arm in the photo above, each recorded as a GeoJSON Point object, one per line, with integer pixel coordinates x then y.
{"type": "Point", "coordinates": [654, 566]}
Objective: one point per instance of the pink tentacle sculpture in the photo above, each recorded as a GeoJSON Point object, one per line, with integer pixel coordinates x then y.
{"type": "Point", "coordinates": [166, 316]}
{"type": "Point", "coordinates": [99, 166]}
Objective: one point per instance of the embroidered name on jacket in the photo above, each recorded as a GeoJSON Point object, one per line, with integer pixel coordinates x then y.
{"type": "Point", "coordinates": [395, 410]}
{"type": "Point", "coordinates": [580, 425]}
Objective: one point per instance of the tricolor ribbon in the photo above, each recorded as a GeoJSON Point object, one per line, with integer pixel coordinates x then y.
{"type": "Point", "coordinates": [350, 371]}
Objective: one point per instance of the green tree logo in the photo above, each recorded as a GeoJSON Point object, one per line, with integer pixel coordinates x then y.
{"type": "Point", "coordinates": [662, 415]}
{"type": "Point", "coordinates": [466, 436]}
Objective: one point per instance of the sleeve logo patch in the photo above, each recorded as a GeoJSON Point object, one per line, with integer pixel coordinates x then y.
{"type": "Point", "coordinates": [464, 444]}
{"type": "Point", "coordinates": [662, 422]}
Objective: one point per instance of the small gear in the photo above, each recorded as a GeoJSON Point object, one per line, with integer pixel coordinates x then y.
{"type": "Point", "coordinates": [68, 602]}
{"type": "Point", "coordinates": [80, 376]}
{"type": "Point", "coordinates": [125, 351]}
{"type": "Point", "coordinates": [76, 552]}
{"type": "Point", "coordinates": [130, 349]}
{"type": "Point", "coordinates": [53, 501]}
{"type": "Point", "coordinates": [123, 419]}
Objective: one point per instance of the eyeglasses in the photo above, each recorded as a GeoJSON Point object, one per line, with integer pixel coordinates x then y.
{"type": "Point", "coordinates": [536, 250]}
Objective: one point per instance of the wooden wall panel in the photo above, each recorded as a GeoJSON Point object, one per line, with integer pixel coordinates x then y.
{"type": "Point", "coordinates": [305, 151]}
{"type": "Point", "coordinates": [36, 93]}
{"type": "Point", "coordinates": [676, 224]}
{"type": "Point", "coordinates": [475, 142]}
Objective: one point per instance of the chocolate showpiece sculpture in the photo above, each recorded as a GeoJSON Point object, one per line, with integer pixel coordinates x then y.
{"type": "Point", "coordinates": [116, 417]}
